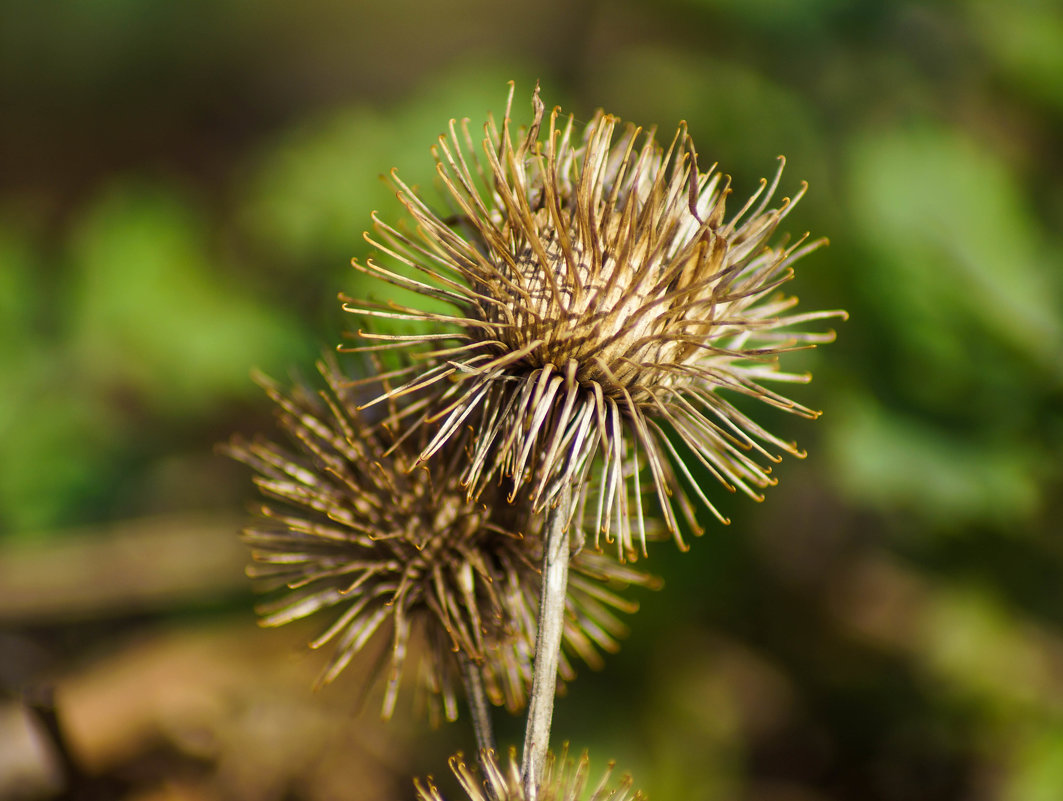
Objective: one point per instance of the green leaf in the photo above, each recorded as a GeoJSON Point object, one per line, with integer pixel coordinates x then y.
{"type": "Point", "coordinates": [151, 309]}
{"type": "Point", "coordinates": [904, 465]}
{"type": "Point", "coordinates": [957, 257]}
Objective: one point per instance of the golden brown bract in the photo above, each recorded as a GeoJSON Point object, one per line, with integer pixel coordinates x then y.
{"type": "Point", "coordinates": [352, 524]}
{"type": "Point", "coordinates": [602, 296]}
{"type": "Point", "coordinates": [562, 780]}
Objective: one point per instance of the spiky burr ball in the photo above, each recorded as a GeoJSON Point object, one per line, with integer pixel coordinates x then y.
{"type": "Point", "coordinates": [352, 525]}
{"type": "Point", "coordinates": [601, 296]}
{"type": "Point", "coordinates": [563, 780]}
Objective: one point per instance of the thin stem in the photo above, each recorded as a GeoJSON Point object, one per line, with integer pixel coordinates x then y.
{"type": "Point", "coordinates": [479, 708]}
{"type": "Point", "coordinates": [547, 643]}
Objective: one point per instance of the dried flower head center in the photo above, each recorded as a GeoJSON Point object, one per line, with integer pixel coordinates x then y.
{"type": "Point", "coordinates": [431, 526]}
{"type": "Point", "coordinates": [465, 525]}
{"type": "Point", "coordinates": [567, 311]}
{"type": "Point", "coordinates": [600, 297]}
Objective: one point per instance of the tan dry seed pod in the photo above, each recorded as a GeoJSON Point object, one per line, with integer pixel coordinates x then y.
{"type": "Point", "coordinates": [602, 294]}
{"type": "Point", "coordinates": [351, 525]}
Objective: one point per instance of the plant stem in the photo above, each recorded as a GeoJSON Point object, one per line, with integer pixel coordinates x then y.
{"type": "Point", "coordinates": [547, 643]}
{"type": "Point", "coordinates": [479, 708]}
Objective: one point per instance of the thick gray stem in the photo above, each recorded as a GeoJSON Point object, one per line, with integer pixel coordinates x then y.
{"type": "Point", "coordinates": [547, 644]}
{"type": "Point", "coordinates": [479, 708]}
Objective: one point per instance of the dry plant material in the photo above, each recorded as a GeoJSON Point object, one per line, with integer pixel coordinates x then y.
{"type": "Point", "coordinates": [562, 780]}
{"type": "Point", "coordinates": [602, 297]}
{"type": "Point", "coordinates": [353, 525]}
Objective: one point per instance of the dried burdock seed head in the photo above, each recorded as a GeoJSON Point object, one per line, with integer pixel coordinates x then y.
{"type": "Point", "coordinates": [602, 295]}
{"type": "Point", "coordinates": [353, 525]}
{"type": "Point", "coordinates": [562, 780]}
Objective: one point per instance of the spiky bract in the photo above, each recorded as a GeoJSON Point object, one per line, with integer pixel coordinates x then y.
{"type": "Point", "coordinates": [602, 296]}
{"type": "Point", "coordinates": [351, 524]}
{"type": "Point", "coordinates": [562, 780]}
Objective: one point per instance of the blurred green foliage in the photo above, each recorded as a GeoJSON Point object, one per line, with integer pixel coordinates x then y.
{"type": "Point", "coordinates": [183, 189]}
{"type": "Point", "coordinates": [147, 300]}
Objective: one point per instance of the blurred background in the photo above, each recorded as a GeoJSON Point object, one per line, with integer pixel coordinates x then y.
{"type": "Point", "coordinates": [182, 186]}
